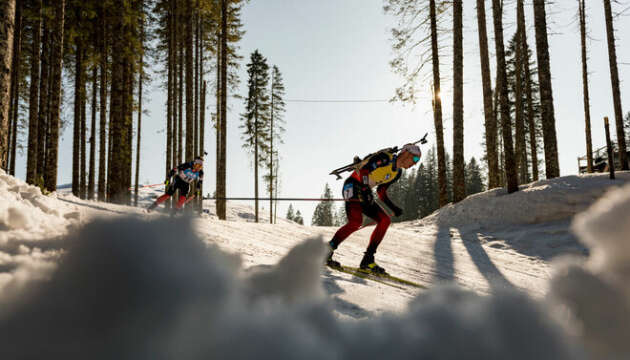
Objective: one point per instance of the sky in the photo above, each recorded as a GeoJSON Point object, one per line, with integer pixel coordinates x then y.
{"type": "Point", "coordinates": [340, 50]}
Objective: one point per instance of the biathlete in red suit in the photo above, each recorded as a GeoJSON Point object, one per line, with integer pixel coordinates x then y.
{"type": "Point", "coordinates": [186, 174]}
{"type": "Point", "coordinates": [381, 170]}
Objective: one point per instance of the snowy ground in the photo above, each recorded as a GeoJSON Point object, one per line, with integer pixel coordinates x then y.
{"type": "Point", "coordinates": [491, 244]}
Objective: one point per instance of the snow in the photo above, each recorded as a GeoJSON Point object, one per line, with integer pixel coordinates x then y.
{"type": "Point", "coordinates": [80, 278]}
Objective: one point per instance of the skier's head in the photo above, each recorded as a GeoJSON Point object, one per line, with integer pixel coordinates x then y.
{"type": "Point", "coordinates": [198, 163]}
{"type": "Point", "coordinates": [409, 156]}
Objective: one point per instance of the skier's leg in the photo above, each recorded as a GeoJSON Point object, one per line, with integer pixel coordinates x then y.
{"type": "Point", "coordinates": [181, 201]}
{"type": "Point", "coordinates": [382, 223]}
{"type": "Point", "coordinates": [169, 192]}
{"type": "Point", "coordinates": [355, 219]}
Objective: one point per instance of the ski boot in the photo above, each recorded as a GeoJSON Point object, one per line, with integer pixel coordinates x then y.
{"type": "Point", "coordinates": [329, 260]}
{"type": "Point", "coordinates": [369, 266]}
{"type": "Point", "coordinates": [152, 207]}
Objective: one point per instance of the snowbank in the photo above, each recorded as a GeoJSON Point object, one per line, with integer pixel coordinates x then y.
{"type": "Point", "coordinates": [125, 289]}
{"type": "Point", "coordinates": [598, 292]}
{"type": "Point", "coordinates": [25, 213]}
{"type": "Point", "coordinates": [537, 202]}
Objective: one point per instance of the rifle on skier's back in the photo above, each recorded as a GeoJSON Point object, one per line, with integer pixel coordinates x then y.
{"type": "Point", "coordinates": [358, 162]}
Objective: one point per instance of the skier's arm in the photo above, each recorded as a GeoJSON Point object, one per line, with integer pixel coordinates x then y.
{"type": "Point", "coordinates": [381, 190]}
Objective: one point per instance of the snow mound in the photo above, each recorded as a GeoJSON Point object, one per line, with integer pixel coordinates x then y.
{"type": "Point", "coordinates": [132, 289]}
{"type": "Point", "coordinates": [537, 202]}
{"type": "Point", "coordinates": [26, 213]}
{"type": "Point", "coordinates": [598, 292]}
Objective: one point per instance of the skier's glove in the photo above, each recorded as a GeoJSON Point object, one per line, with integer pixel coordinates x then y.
{"type": "Point", "coordinates": [397, 211]}
{"type": "Point", "coordinates": [167, 182]}
{"type": "Point", "coordinates": [366, 195]}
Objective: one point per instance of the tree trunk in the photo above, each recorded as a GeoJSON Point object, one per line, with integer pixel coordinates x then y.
{"type": "Point", "coordinates": [202, 129]}
{"type": "Point", "coordinates": [44, 99]}
{"type": "Point", "coordinates": [190, 128]}
{"type": "Point", "coordinates": [508, 150]}
{"type": "Point", "coordinates": [116, 183]}
{"type": "Point", "coordinates": [90, 187]}
{"type": "Point", "coordinates": [33, 108]}
{"type": "Point", "coordinates": [530, 103]}
{"type": "Point", "coordinates": [83, 172]}
{"type": "Point", "coordinates": [55, 96]}
{"type": "Point", "coordinates": [521, 152]}
{"type": "Point", "coordinates": [76, 134]}
{"type": "Point", "coordinates": [221, 190]}
{"type": "Point", "coordinates": [7, 24]}
{"type": "Point", "coordinates": [196, 77]}
{"type": "Point", "coordinates": [15, 88]}
{"type": "Point", "coordinates": [218, 119]}
{"type": "Point", "coordinates": [587, 108]}
{"type": "Point", "coordinates": [490, 120]}
{"type": "Point", "coordinates": [256, 159]}
{"type": "Point", "coordinates": [169, 99]}
{"type": "Point", "coordinates": [614, 80]}
{"type": "Point", "coordinates": [180, 125]}
{"type": "Point", "coordinates": [459, 182]}
{"type": "Point", "coordinates": [139, 127]}
{"type": "Point", "coordinates": [102, 187]}
{"type": "Point", "coordinates": [271, 152]}
{"type": "Point", "coordinates": [552, 168]}
{"type": "Point", "coordinates": [437, 107]}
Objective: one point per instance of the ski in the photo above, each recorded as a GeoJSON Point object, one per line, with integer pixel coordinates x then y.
{"type": "Point", "coordinates": [385, 279]}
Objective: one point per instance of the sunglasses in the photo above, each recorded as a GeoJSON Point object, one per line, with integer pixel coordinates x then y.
{"type": "Point", "coordinates": [416, 158]}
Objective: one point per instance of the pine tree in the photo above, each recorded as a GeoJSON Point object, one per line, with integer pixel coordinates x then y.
{"type": "Point", "coordinates": [530, 109]}
{"type": "Point", "coordinates": [230, 33]}
{"type": "Point", "coordinates": [33, 123]}
{"type": "Point", "coordinates": [614, 81]}
{"type": "Point", "coordinates": [585, 91]}
{"type": "Point", "coordinates": [255, 121]}
{"type": "Point", "coordinates": [474, 177]}
{"type": "Point", "coordinates": [341, 217]}
{"type": "Point", "coordinates": [508, 150]}
{"type": "Point", "coordinates": [52, 145]}
{"type": "Point", "coordinates": [519, 113]}
{"type": "Point", "coordinates": [290, 213]}
{"type": "Point", "coordinates": [276, 129]}
{"type": "Point", "coordinates": [490, 119]}
{"type": "Point", "coordinates": [552, 167]}
{"type": "Point", "coordinates": [324, 214]}
{"type": "Point", "coordinates": [459, 182]}
{"type": "Point", "coordinates": [7, 24]}
{"type": "Point", "coordinates": [415, 21]}
{"type": "Point", "coordinates": [298, 218]}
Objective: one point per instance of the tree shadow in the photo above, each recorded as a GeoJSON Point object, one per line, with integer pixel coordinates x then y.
{"type": "Point", "coordinates": [443, 256]}
{"type": "Point", "coordinates": [484, 264]}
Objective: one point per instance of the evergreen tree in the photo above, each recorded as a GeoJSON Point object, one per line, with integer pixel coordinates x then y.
{"type": "Point", "coordinates": [341, 217]}
{"type": "Point", "coordinates": [276, 129]}
{"type": "Point", "coordinates": [298, 218]}
{"type": "Point", "coordinates": [474, 177]}
{"type": "Point", "coordinates": [531, 107]}
{"type": "Point", "coordinates": [7, 23]}
{"type": "Point", "coordinates": [490, 123]}
{"type": "Point", "coordinates": [614, 81]}
{"type": "Point", "coordinates": [552, 167]}
{"type": "Point", "coordinates": [256, 119]}
{"type": "Point", "coordinates": [324, 213]}
{"type": "Point", "coordinates": [290, 213]}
